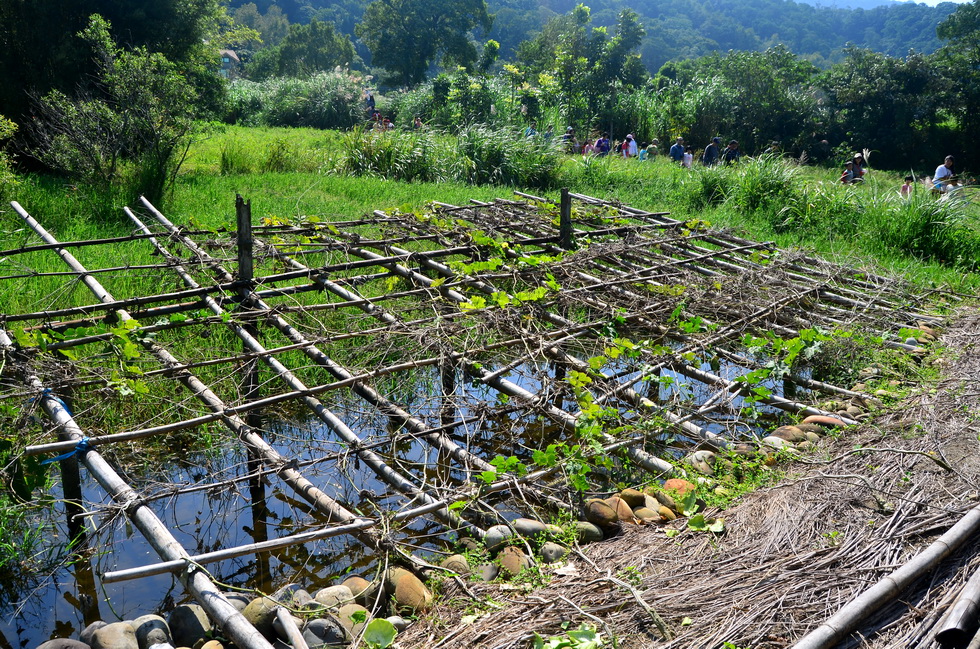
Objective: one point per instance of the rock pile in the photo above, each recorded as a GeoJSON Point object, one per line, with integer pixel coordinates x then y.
{"type": "Point", "coordinates": [328, 619]}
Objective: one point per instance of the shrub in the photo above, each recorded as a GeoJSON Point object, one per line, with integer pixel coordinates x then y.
{"type": "Point", "coordinates": [324, 100]}
{"type": "Point", "coordinates": [7, 178]}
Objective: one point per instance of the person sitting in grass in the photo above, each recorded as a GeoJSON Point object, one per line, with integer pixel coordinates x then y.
{"type": "Point", "coordinates": [849, 176]}
{"type": "Point", "coordinates": [907, 186]}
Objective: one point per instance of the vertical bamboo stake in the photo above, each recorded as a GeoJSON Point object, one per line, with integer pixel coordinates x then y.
{"type": "Point", "coordinates": [565, 238]}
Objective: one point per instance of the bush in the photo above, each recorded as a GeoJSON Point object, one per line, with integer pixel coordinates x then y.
{"type": "Point", "coordinates": [7, 178]}
{"type": "Point", "coordinates": [325, 100]}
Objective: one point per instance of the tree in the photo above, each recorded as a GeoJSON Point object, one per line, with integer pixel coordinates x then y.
{"type": "Point", "coordinates": [128, 130]}
{"type": "Point", "coordinates": [959, 62]}
{"type": "Point", "coordinates": [405, 37]}
{"type": "Point", "coordinates": [307, 49]}
{"type": "Point", "coordinates": [40, 49]}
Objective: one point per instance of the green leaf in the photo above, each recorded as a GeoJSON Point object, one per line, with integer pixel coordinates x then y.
{"type": "Point", "coordinates": [379, 633]}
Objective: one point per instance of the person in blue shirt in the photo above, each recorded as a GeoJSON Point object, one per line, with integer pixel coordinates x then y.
{"type": "Point", "coordinates": [677, 151]}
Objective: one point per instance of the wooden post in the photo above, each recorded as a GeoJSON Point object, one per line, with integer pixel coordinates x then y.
{"type": "Point", "coordinates": [243, 215]}
{"type": "Point", "coordinates": [565, 237]}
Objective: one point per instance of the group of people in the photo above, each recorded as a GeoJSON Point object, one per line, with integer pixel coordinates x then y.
{"type": "Point", "coordinates": [712, 154]}
{"type": "Point", "coordinates": [941, 182]}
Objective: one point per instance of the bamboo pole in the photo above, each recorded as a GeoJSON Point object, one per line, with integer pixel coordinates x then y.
{"type": "Point", "coordinates": [145, 520]}
{"type": "Point", "coordinates": [301, 485]}
{"type": "Point", "coordinates": [370, 458]}
{"type": "Point", "coordinates": [847, 619]}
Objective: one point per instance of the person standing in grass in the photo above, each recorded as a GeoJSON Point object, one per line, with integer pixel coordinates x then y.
{"type": "Point", "coordinates": [711, 152]}
{"type": "Point", "coordinates": [907, 186]}
{"type": "Point", "coordinates": [731, 155]}
{"type": "Point", "coordinates": [677, 150]}
{"type": "Point", "coordinates": [688, 160]}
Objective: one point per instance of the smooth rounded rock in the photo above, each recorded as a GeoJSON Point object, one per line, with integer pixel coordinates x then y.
{"type": "Point", "coordinates": [552, 552]}
{"type": "Point", "coordinates": [498, 536]}
{"type": "Point", "coordinates": [777, 443]}
{"type": "Point", "coordinates": [117, 635]}
{"type": "Point", "coordinates": [600, 513]}
{"type": "Point", "coordinates": [334, 596]}
{"type": "Point", "coordinates": [702, 461]}
{"type": "Point", "coordinates": [188, 624]}
{"type": "Point", "coordinates": [63, 643]}
{"type": "Point", "coordinates": [347, 615]}
{"type": "Point", "coordinates": [325, 633]}
{"type": "Point", "coordinates": [398, 622]}
{"type": "Point", "coordinates": [813, 438]}
{"type": "Point", "coordinates": [512, 561]}
{"type": "Point", "coordinates": [664, 499]}
{"type": "Point", "coordinates": [633, 497]}
{"type": "Point", "coordinates": [646, 514]}
{"type": "Point", "coordinates": [150, 630]}
{"type": "Point", "coordinates": [470, 544]}
{"type": "Point", "coordinates": [407, 590]}
{"type": "Point", "coordinates": [811, 428]}
{"type": "Point", "coordinates": [456, 563]}
{"type": "Point", "coordinates": [528, 527]}
{"type": "Point", "coordinates": [623, 511]}
{"type": "Point", "coordinates": [666, 513]}
{"type": "Point", "coordinates": [791, 434]}
{"type": "Point", "coordinates": [86, 635]}
{"type": "Point", "coordinates": [586, 532]}
{"type": "Point", "coordinates": [260, 613]}
{"type": "Point", "coordinates": [362, 589]}
{"type": "Point", "coordinates": [488, 571]}
{"type": "Point", "coordinates": [292, 595]}
{"type": "Point", "coordinates": [823, 420]}
{"type": "Point", "coordinates": [213, 644]}
{"type": "Point", "coordinates": [679, 486]}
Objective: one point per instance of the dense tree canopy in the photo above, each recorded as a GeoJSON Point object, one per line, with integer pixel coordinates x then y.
{"type": "Point", "coordinates": [306, 49]}
{"type": "Point", "coordinates": [40, 49]}
{"type": "Point", "coordinates": [406, 36]}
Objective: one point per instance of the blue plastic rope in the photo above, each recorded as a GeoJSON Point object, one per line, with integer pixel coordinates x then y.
{"type": "Point", "coordinates": [80, 447]}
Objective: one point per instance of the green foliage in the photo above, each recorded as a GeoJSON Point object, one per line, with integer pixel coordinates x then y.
{"type": "Point", "coordinates": [324, 100]}
{"type": "Point", "coordinates": [7, 178]}
{"type": "Point", "coordinates": [406, 36]}
{"type": "Point", "coordinates": [585, 637]}
{"type": "Point", "coordinates": [128, 133]}
{"type": "Point", "coordinates": [305, 51]}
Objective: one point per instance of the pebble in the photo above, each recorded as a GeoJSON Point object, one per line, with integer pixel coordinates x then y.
{"type": "Point", "coordinates": [117, 635]}
{"type": "Point", "coordinates": [325, 633]}
{"type": "Point", "coordinates": [497, 536]}
{"type": "Point", "coordinates": [512, 561]}
{"type": "Point", "coordinates": [150, 630]}
{"type": "Point", "coordinates": [189, 623]}
{"type": "Point", "coordinates": [552, 552]}
{"type": "Point", "coordinates": [456, 563]}
{"type": "Point", "coordinates": [529, 527]}
{"type": "Point", "coordinates": [586, 532]}
{"type": "Point", "coordinates": [334, 596]}
{"type": "Point", "coordinates": [488, 571]}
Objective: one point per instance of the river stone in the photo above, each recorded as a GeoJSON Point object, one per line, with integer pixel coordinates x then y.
{"type": "Point", "coordinates": [777, 443]}
{"type": "Point", "coordinates": [86, 635]}
{"type": "Point", "coordinates": [325, 633]}
{"type": "Point", "coordinates": [805, 445]}
{"type": "Point", "coordinates": [854, 410]}
{"type": "Point", "coordinates": [512, 561]}
{"type": "Point", "coordinates": [398, 622]}
{"type": "Point", "coordinates": [407, 590]}
{"type": "Point", "coordinates": [811, 428]}
{"type": "Point", "coordinates": [238, 600]}
{"type": "Point", "coordinates": [118, 635]}
{"type": "Point", "coordinates": [791, 434]}
{"type": "Point", "coordinates": [151, 629]}
{"type": "Point", "coordinates": [188, 624]}
{"type": "Point", "coordinates": [744, 449]}
{"type": "Point", "coordinates": [586, 532]}
{"type": "Point", "coordinates": [623, 511]}
{"type": "Point", "coordinates": [666, 513]}
{"type": "Point", "coordinates": [345, 615]}
{"type": "Point", "coordinates": [646, 514]}
{"type": "Point", "coordinates": [497, 536]}
{"type": "Point", "coordinates": [63, 643]}
{"type": "Point", "coordinates": [702, 462]}
{"type": "Point", "coordinates": [813, 438]}
{"type": "Point", "coordinates": [554, 530]}
{"type": "Point", "coordinates": [679, 486]}
{"type": "Point", "coordinates": [457, 563]}
{"type": "Point", "coordinates": [600, 513]}
{"type": "Point", "coordinates": [823, 420]}
{"type": "Point", "coordinates": [529, 527]}
{"type": "Point", "coordinates": [488, 571]}
{"type": "Point", "coordinates": [292, 595]}
{"type": "Point", "coordinates": [664, 499]}
{"type": "Point", "coordinates": [362, 589]}
{"type": "Point", "coordinates": [334, 596]}
{"type": "Point", "coordinates": [260, 613]}
{"type": "Point", "coordinates": [470, 544]}
{"type": "Point", "coordinates": [213, 644]}
{"type": "Point", "coordinates": [552, 552]}
{"type": "Point", "coordinates": [633, 497]}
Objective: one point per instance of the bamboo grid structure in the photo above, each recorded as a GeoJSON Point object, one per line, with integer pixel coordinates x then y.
{"type": "Point", "coordinates": [492, 306]}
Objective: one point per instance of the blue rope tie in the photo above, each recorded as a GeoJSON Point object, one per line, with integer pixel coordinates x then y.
{"type": "Point", "coordinates": [80, 447]}
{"type": "Point", "coordinates": [46, 392]}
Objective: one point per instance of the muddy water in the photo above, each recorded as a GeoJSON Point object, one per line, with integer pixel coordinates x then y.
{"type": "Point", "coordinates": [69, 594]}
